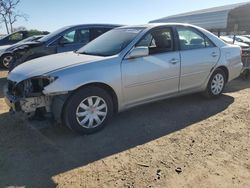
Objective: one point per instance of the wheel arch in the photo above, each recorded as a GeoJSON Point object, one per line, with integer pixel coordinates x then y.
{"type": "Point", "coordinates": [107, 88]}
{"type": "Point", "coordinates": [7, 53]}
{"type": "Point", "coordinates": [60, 101]}
{"type": "Point", "coordinates": [226, 71]}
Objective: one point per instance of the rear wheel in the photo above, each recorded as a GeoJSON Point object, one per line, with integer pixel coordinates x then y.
{"type": "Point", "coordinates": [5, 61]}
{"type": "Point", "coordinates": [216, 84]}
{"type": "Point", "coordinates": [88, 110]}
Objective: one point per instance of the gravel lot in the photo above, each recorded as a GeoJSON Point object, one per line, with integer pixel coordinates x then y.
{"type": "Point", "coordinates": [183, 142]}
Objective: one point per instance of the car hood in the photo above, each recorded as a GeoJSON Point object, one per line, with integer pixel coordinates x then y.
{"type": "Point", "coordinates": [19, 45]}
{"type": "Point", "coordinates": [241, 44]}
{"type": "Point", "coordinates": [4, 47]}
{"type": "Point", "coordinates": [51, 63]}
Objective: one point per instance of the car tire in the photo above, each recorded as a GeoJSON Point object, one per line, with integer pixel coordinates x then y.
{"type": "Point", "coordinates": [88, 110]}
{"type": "Point", "coordinates": [5, 61]}
{"type": "Point", "coordinates": [216, 84]}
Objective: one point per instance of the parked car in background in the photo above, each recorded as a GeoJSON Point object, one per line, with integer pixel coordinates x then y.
{"type": "Point", "coordinates": [66, 39]}
{"type": "Point", "coordinates": [123, 68]}
{"type": "Point", "coordinates": [248, 36]}
{"type": "Point", "coordinates": [14, 38]}
{"type": "Point", "coordinates": [6, 54]}
{"type": "Point", "coordinates": [245, 55]}
{"type": "Point", "coordinates": [245, 47]}
{"type": "Point", "coordinates": [239, 38]}
{"type": "Point", "coordinates": [230, 40]}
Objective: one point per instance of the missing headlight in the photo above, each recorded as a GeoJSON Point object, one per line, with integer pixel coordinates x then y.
{"type": "Point", "coordinates": [31, 87]}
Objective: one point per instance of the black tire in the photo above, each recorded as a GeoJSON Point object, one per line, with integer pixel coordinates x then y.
{"type": "Point", "coordinates": [2, 64]}
{"type": "Point", "coordinates": [209, 93]}
{"type": "Point", "coordinates": [69, 117]}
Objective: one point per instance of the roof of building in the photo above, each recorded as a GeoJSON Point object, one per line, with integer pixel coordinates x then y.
{"type": "Point", "coordinates": [212, 18]}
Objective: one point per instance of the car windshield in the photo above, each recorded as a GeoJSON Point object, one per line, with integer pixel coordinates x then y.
{"type": "Point", "coordinates": [111, 43]}
{"type": "Point", "coordinates": [52, 35]}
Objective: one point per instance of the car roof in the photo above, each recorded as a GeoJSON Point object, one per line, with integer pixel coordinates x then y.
{"type": "Point", "coordinates": [242, 37]}
{"type": "Point", "coordinates": [152, 25]}
{"type": "Point", "coordinates": [95, 25]}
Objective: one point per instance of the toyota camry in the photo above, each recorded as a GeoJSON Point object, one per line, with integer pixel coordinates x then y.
{"type": "Point", "coordinates": [123, 68]}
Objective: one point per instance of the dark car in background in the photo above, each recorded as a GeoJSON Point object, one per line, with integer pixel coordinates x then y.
{"type": "Point", "coordinates": [66, 39]}
{"type": "Point", "coordinates": [6, 54]}
{"type": "Point", "coordinates": [14, 38]}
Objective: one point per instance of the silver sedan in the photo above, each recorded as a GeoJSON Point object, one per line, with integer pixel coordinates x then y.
{"type": "Point", "coordinates": [123, 68]}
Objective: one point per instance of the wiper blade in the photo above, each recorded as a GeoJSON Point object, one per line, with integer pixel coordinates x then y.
{"type": "Point", "coordinates": [94, 54]}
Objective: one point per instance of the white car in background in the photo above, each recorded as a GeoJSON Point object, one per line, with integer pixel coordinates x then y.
{"type": "Point", "coordinates": [229, 40]}
{"type": "Point", "coordinates": [239, 38]}
{"type": "Point", "coordinates": [248, 36]}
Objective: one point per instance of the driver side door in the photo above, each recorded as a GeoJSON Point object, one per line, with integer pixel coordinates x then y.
{"type": "Point", "coordinates": [153, 76]}
{"type": "Point", "coordinates": [73, 40]}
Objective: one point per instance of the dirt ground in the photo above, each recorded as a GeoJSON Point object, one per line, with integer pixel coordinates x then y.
{"type": "Point", "coordinates": [183, 142]}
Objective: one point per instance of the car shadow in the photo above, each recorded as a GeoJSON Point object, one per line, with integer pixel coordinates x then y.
{"type": "Point", "coordinates": [40, 152]}
{"type": "Point", "coordinates": [237, 85]}
{"type": "Point", "coordinates": [2, 83]}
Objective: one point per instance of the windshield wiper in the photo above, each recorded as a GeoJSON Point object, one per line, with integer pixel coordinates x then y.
{"type": "Point", "coordinates": [94, 54]}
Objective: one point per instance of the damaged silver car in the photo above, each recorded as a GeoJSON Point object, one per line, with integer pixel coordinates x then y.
{"type": "Point", "coordinates": [123, 68]}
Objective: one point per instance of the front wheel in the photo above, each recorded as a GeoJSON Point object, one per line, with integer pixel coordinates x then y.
{"type": "Point", "coordinates": [88, 110]}
{"type": "Point", "coordinates": [5, 61]}
{"type": "Point", "coordinates": [216, 84]}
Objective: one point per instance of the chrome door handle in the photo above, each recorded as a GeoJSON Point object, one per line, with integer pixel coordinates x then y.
{"type": "Point", "coordinates": [214, 54]}
{"type": "Point", "coordinates": [174, 61]}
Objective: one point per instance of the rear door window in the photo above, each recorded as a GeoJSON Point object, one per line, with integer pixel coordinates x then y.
{"type": "Point", "coordinates": [84, 36]}
{"type": "Point", "coordinates": [96, 32]}
{"type": "Point", "coordinates": [191, 39]}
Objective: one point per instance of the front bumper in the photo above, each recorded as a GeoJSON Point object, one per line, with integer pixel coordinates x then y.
{"type": "Point", "coordinates": [12, 101]}
{"type": "Point", "coordinates": [26, 105]}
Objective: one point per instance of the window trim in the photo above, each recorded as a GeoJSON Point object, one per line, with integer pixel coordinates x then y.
{"type": "Point", "coordinates": [198, 31]}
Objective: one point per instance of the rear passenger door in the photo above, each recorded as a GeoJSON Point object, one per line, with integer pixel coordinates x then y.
{"type": "Point", "coordinates": [198, 56]}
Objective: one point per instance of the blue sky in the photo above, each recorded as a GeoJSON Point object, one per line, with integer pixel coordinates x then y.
{"type": "Point", "coordinates": [52, 14]}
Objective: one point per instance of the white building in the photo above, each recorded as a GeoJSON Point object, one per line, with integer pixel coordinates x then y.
{"type": "Point", "coordinates": [230, 18]}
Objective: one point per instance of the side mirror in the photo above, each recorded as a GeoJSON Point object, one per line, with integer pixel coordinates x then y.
{"type": "Point", "coordinates": [138, 52]}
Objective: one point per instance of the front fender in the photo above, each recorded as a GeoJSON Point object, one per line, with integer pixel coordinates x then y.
{"type": "Point", "coordinates": [69, 80]}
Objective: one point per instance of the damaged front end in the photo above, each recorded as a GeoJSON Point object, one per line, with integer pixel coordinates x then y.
{"type": "Point", "coordinates": [27, 96]}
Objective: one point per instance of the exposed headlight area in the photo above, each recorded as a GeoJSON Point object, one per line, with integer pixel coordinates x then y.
{"type": "Point", "coordinates": [32, 87]}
